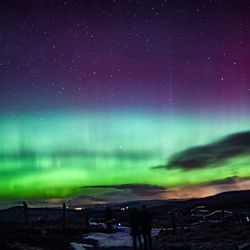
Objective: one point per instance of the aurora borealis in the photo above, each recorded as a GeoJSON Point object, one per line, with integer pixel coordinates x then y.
{"type": "Point", "coordinates": [105, 101]}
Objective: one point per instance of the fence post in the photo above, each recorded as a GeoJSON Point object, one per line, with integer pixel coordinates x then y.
{"type": "Point", "coordinates": [223, 219]}
{"type": "Point", "coordinates": [25, 211]}
{"type": "Point", "coordinates": [64, 214]}
{"type": "Point", "coordinates": [173, 219]}
{"type": "Point", "coordinates": [46, 214]}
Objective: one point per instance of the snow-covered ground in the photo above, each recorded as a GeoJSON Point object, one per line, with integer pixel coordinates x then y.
{"type": "Point", "coordinates": [118, 239]}
{"type": "Point", "coordinates": [79, 246]}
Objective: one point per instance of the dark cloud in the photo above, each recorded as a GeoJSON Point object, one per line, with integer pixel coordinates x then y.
{"type": "Point", "coordinates": [136, 189]}
{"type": "Point", "coordinates": [159, 167]}
{"type": "Point", "coordinates": [227, 181]}
{"type": "Point", "coordinates": [86, 199]}
{"type": "Point", "coordinates": [217, 152]}
{"type": "Point", "coordinates": [209, 188]}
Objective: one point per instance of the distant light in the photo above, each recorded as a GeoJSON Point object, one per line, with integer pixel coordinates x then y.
{"type": "Point", "coordinates": [122, 209]}
{"type": "Point", "coordinates": [119, 224]}
{"type": "Point", "coordinates": [78, 208]}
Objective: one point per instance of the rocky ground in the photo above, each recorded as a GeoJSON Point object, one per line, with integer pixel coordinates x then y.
{"type": "Point", "coordinates": [16, 236]}
{"type": "Point", "coordinates": [206, 238]}
{"type": "Point", "coordinates": [232, 237]}
{"type": "Point", "coordinates": [202, 236]}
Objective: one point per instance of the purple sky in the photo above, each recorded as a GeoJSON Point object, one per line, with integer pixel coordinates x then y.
{"type": "Point", "coordinates": [105, 54]}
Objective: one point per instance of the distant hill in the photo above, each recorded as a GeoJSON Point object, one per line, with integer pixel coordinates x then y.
{"type": "Point", "coordinates": [227, 200]}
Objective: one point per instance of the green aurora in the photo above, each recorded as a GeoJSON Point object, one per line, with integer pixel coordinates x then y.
{"type": "Point", "coordinates": [53, 155]}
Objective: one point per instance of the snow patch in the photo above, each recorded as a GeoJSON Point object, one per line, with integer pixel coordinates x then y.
{"type": "Point", "coordinates": [119, 239]}
{"type": "Point", "coordinates": [79, 246]}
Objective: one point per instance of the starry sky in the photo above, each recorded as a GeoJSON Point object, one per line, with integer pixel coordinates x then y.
{"type": "Point", "coordinates": [114, 100]}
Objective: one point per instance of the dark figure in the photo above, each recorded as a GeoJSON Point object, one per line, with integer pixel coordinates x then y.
{"type": "Point", "coordinates": [173, 220]}
{"type": "Point", "coordinates": [108, 219]}
{"type": "Point", "coordinates": [64, 215]}
{"type": "Point", "coordinates": [25, 211]}
{"type": "Point", "coordinates": [46, 214]}
{"type": "Point", "coordinates": [146, 227]}
{"type": "Point", "coordinates": [223, 219]}
{"type": "Point", "coordinates": [134, 221]}
{"type": "Point", "coordinates": [87, 222]}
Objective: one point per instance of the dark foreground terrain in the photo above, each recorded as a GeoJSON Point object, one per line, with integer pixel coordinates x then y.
{"type": "Point", "coordinates": [198, 237]}
{"type": "Point", "coordinates": [218, 222]}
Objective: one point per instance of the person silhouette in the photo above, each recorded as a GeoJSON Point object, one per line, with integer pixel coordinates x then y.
{"type": "Point", "coordinates": [146, 227]}
{"type": "Point", "coordinates": [108, 216]}
{"type": "Point", "coordinates": [173, 220]}
{"type": "Point", "coordinates": [134, 220]}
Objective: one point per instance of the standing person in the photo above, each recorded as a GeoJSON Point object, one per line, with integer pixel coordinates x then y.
{"type": "Point", "coordinates": [134, 221]}
{"type": "Point", "coordinates": [146, 227]}
{"type": "Point", "coordinates": [108, 216]}
{"type": "Point", "coordinates": [173, 220]}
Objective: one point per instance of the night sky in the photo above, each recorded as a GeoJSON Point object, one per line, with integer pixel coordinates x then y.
{"type": "Point", "coordinates": [104, 101]}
